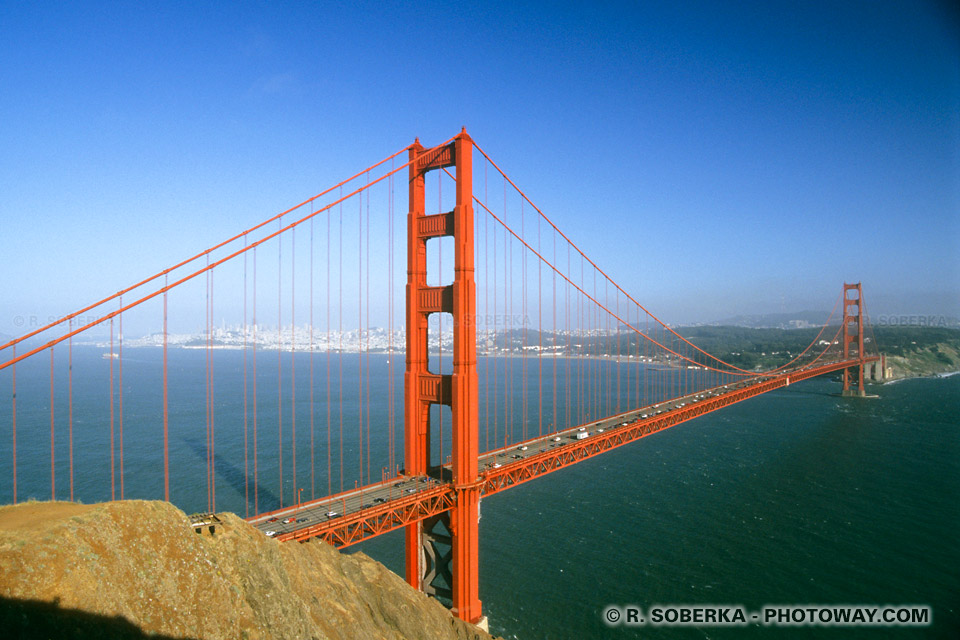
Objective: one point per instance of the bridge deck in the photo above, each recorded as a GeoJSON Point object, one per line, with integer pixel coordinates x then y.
{"type": "Point", "coordinates": [365, 512]}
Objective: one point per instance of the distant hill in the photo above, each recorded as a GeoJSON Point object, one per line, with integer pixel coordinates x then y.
{"type": "Point", "coordinates": [796, 320]}
{"type": "Point", "coordinates": [809, 319]}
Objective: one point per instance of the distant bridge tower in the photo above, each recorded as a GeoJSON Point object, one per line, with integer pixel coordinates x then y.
{"type": "Point", "coordinates": [853, 335]}
{"type": "Point", "coordinates": [443, 549]}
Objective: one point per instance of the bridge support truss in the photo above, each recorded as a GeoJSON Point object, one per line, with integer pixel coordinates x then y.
{"type": "Point", "coordinates": [458, 527]}
{"type": "Point", "coordinates": [853, 336]}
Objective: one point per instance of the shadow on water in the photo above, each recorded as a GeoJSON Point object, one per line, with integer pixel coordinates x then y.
{"type": "Point", "coordinates": [38, 620]}
{"type": "Point", "coordinates": [232, 474]}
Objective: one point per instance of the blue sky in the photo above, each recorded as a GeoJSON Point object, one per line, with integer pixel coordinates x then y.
{"type": "Point", "coordinates": [742, 157]}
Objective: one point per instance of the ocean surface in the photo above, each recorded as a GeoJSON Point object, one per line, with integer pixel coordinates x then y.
{"type": "Point", "coordinates": [796, 497]}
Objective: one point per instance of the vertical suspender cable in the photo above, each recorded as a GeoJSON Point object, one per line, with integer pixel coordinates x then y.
{"type": "Point", "coordinates": [629, 354]}
{"type": "Point", "coordinates": [523, 311]}
{"type": "Point", "coordinates": [206, 381]}
{"type": "Point", "coordinates": [166, 412]}
{"type": "Point", "coordinates": [647, 399]}
{"type": "Point", "coordinates": [246, 457]}
{"type": "Point", "coordinates": [507, 381]}
{"type": "Point", "coordinates": [390, 386]}
{"type": "Point", "coordinates": [70, 402]}
{"type": "Point", "coordinates": [360, 332]}
{"type": "Point", "coordinates": [340, 333]}
{"type": "Point", "coordinates": [496, 328]}
{"type": "Point", "coordinates": [593, 394]}
{"type": "Point", "coordinates": [486, 313]}
{"type": "Point", "coordinates": [280, 366]}
{"type": "Point", "coordinates": [329, 398]}
{"type": "Point", "coordinates": [594, 362]}
{"type": "Point", "coordinates": [579, 328]}
{"type": "Point", "coordinates": [600, 368]}
{"type": "Point", "coordinates": [566, 359]}
{"type": "Point", "coordinates": [510, 364]}
{"type": "Point", "coordinates": [539, 337]}
{"type": "Point", "coordinates": [598, 348]}
{"type": "Point", "coordinates": [681, 371]}
{"type": "Point", "coordinates": [13, 408]}
{"type": "Point", "coordinates": [617, 293]}
{"type": "Point", "coordinates": [113, 495]}
{"type": "Point", "coordinates": [580, 299]}
{"type": "Point", "coordinates": [603, 386]}
{"type": "Point", "coordinates": [210, 390]}
{"type": "Point", "coordinates": [213, 421]}
{"type": "Point", "coordinates": [641, 401]}
{"type": "Point", "coordinates": [293, 361]}
{"type": "Point", "coordinates": [606, 373]}
{"type": "Point", "coordinates": [313, 464]}
{"type": "Point", "coordinates": [119, 415]}
{"type": "Point", "coordinates": [555, 354]}
{"type": "Point", "coordinates": [608, 353]}
{"type": "Point", "coordinates": [367, 322]}
{"type": "Point", "coordinates": [53, 475]}
{"type": "Point", "coordinates": [256, 457]}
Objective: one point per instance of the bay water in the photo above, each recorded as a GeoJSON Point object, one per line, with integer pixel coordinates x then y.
{"type": "Point", "coordinates": [796, 497]}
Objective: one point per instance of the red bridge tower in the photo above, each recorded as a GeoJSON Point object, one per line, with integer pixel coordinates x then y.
{"type": "Point", "coordinates": [853, 335]}
{"type": "Point", "coordinates": [442, 552]}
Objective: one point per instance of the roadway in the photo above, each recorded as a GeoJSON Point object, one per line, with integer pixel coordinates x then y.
{"type": "Point", "coordinates": [287, 522]}
{"type": "Point", "coordinates": [330, 509]}
{"type": "Point", "coordinates": [365, 512]}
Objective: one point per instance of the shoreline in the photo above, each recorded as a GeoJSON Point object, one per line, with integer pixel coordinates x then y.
{"type": "Point", "coordinates": [926, 376]}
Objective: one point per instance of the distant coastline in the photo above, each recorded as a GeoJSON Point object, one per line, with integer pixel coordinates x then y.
{"type": "Point", "coordinates": [942, 374]}
{"type": "Point", "coordinates": [909, 352]}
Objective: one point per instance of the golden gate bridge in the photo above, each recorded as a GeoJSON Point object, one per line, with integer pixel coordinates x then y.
{"type": "Point", "coordinates": [522, 356]}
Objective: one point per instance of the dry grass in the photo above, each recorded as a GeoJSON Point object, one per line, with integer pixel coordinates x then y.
{"type": "Point", "coordinates": [140, 562]}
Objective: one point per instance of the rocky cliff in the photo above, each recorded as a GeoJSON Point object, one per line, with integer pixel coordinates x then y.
{"type": "Point", "coordinates": [927, 360]}
{"type": "Point", "coordinates": [137, 569]}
